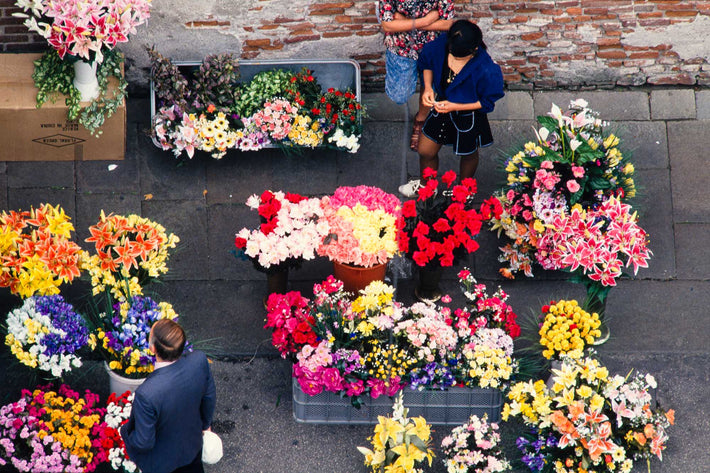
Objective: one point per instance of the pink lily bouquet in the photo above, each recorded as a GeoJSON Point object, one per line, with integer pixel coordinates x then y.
{"type": "Point", "coordinates": [83, 29]}
{"type": "Point", "coordinates": [363, 226]}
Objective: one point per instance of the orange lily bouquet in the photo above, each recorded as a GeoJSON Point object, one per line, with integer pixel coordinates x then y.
{"type": "Point", "coordinates": [589, 420]}
{"type": "Point", "coordinates": [36, 252]}
{"type": "Point", "coordinates": [130, 251]}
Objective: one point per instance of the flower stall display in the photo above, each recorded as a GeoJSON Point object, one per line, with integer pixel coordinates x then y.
{"type": "Point", "coordinates": [400, 443]}
{"type": "Point", "coordinates": [566, 330]}
{"type": "Point", "coordinates": [440, 226]}
{"type": "Point", "coordinates": [53, 430]}
{"type": "Point", "coordinates": [118, 410]}
{"type": "Point", "coordinates": [588, 420]}
{"type": "Point", "coordinates": [363, 233]}
{"type": "Point", "coordinates": [122, 334]}
{"type": "Point", "coordinates": [474, 447]}
{"type": "Point", "coordinates": [46, 333]}
{"type": "Point", "coordinates": [275, 107]}
{"type": "Point", "coordinates": [36, 250]}
{"type": "Point", "coordinates": [372, 345]}
{"type": "Point", "coordinates": [130, 251]}
{"type": "Point", "coordinates": [573, 161]}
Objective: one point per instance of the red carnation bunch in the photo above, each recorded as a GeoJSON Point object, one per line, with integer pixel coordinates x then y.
{"type": "Point", "coordinates": [441, 224]}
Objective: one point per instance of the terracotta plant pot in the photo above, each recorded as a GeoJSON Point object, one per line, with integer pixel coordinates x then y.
{"type": "Point", "coordinates": [356, 278]}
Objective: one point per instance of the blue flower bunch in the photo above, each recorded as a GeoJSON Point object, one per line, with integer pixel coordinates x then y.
{"type": "Point", "coordinates": [434, 375]}
{"type": "Point", "coordinates": [46, 333]}
{"type": "Point", "coordinates": [535, 451]}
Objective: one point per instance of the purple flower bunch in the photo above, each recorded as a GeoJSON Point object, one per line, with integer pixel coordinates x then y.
{"type": "Point", "coordinates": [535, 450]}
{"type": "Point", "coordinates": [434, 375]}
{"type": "Point", "coordinates": [125, 334]}
{"type": "Point", "coordinates": [46, 333]}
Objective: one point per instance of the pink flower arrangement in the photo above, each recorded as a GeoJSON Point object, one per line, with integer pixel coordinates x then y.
{"type": "Point", "coordinates": [598, 242]}
{"type": "Point", "coordinates": [292, 228]}
{"type": "Point", "coordinates": [84, 28]}
{"type": "Point", "coordinates": [363, 226]}
{"type": "Point", "coordinates": [276, 118]}
{"type": "Point", "coordinates": [291, 323]}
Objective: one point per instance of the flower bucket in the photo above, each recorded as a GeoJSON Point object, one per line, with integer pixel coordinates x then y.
{"type": "Point", "coordinates": [428, 289]}
{"type": "Point", "coordinates": [276, 283]}
{"type": "Point", "coordinates": [356, 278]}
{"type": "Point", "coordinates": [85, 80]}
{"type": "Point", "coordinates": [119, 384]}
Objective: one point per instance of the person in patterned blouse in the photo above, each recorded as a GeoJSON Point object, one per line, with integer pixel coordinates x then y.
{"type": "Point", "coordinates": [408, 26]}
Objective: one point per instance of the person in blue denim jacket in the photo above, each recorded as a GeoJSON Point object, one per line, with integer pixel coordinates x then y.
{"type": "Point", "coordinates": [461, 84]}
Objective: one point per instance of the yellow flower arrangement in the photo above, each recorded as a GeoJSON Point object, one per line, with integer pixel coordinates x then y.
{"type": "Point", "coordinates": [305, 132]}
{"type": "Point", "coordinates": [400, 444]}
{"type": "Point", "coordinates": [567, 329]}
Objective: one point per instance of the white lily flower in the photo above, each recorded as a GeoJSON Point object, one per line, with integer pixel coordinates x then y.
{"type": "Point", "coordinates": [574, 144]}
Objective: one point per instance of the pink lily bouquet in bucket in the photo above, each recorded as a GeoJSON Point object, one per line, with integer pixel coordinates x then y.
{"type": "Point", "coordinates": [84, 29]}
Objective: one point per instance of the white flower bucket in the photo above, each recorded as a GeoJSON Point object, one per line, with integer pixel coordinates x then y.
{"type": "Point", "coordinates": [85, 80]}
{"type": "Point", "coordinates": [119, 384]}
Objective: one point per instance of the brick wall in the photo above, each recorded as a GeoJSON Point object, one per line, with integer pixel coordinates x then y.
{"type": "Point", "coordinates": [539, 44]}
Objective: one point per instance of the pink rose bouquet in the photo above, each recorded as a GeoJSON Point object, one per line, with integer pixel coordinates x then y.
{"type": "Point", "coordinates": [363, 226]}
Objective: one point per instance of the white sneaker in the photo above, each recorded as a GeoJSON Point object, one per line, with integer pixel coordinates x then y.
{"type": "Point", "coordinates": [410, 189]}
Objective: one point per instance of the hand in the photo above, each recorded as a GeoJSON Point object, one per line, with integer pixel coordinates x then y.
{"type": "Point", "coordinates": [444, 106]}
{"type": "Point", "coordinates": [399, 16]}
{"type": "Point", "coordinates": [428, 97]}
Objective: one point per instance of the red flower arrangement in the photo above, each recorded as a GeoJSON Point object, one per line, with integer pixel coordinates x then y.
{"type": "Point", "coordinates": [440, 226]}
{"type": "Point", "coordinates": [288, 315]}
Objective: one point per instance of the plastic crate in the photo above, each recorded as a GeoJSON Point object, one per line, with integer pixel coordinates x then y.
{"type": "Point", "coordinates": [452, 406]}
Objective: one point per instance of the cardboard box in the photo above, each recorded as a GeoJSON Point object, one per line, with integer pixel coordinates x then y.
{"type": "Point", "coordinates": [28, 133]}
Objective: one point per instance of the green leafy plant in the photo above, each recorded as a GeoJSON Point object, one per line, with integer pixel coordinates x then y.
{"type": "Point", "coordinates": [263, 86]}
{"type": "Point", "coordinates": [54, 76]}
{"type": "Point", "coordinates": [216, 82]}
{"type": "Point", "coordinates": [170, 85]}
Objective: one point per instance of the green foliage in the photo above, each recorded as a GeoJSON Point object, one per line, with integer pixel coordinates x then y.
{"type": "Point", "coordinates": [54, 76]}
{"type": "Point", "coordinates": [263, 86]}
{"type": "Point", "coordinates": [216, 82]}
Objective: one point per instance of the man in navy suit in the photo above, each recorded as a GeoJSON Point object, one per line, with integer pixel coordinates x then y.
{"type": "Point", "coordinates": [172, 407]}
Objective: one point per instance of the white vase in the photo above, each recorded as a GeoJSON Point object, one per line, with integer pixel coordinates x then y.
{"type": "Point", "coordinates": [85, 80]}
{"type": "Point", "coordinates": [119, 384]}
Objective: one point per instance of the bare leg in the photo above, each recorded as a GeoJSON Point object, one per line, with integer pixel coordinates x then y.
{"type": "Point", "coordinates": [468, 165]}
{"type": "Point", "coordinates": [428, 155]}
{"type": "Point", "coordinates": [423, 110]}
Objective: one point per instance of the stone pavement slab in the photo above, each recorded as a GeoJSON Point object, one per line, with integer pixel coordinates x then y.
{"type": "Point", "coordinates": [645, 142]}
{"type": "Point", "coordinates": [24, 198]}
{"type": "Point", "coordinates": [513, 106]}
{"type": "Point", "coordinates": [702, 104]}
{"type": "Point", "coordinates": [627, 106]}
{"type": "Point", "coordinates": [692, 254]}
{"type": "Point", "coordinates": [188, 220]}
{"type": "Point", "coordinates": [90, 205]}
{"type": "Point", "coordinates": [688, 143]}
{"type": "Point", "coordinates": [54, 174]}
{"type": "Point", "coordinates": [673, 104]}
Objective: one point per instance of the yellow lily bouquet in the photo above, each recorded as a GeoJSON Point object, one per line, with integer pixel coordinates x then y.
{"type": "Point", "coordinates": [400, 443]}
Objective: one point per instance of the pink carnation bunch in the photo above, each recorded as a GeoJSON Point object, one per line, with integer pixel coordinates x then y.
{"type": "Point", "coordinates": [276, 118]}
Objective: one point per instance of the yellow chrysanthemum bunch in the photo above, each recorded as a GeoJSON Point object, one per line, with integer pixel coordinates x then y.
{"type": "Point", "coordinates": [488, 367]}
{"type": "Point", "coordinates": [567, 329]}
{"type": "Point", "coordinates": [215, 135]}
{"type": "Point", "coordinates": [400, 444]}
{"type": "Point", "coordinates": [388, 361]}
{"type": "Point", "coordinates": [305, 132]}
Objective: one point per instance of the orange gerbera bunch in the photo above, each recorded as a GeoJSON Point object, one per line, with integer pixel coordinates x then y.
{"type": "Point", "coordinates": [36, 253]}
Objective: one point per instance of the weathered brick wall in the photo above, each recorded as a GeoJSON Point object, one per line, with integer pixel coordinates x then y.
{"type": "Point", "coordinates": [539, 44]}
